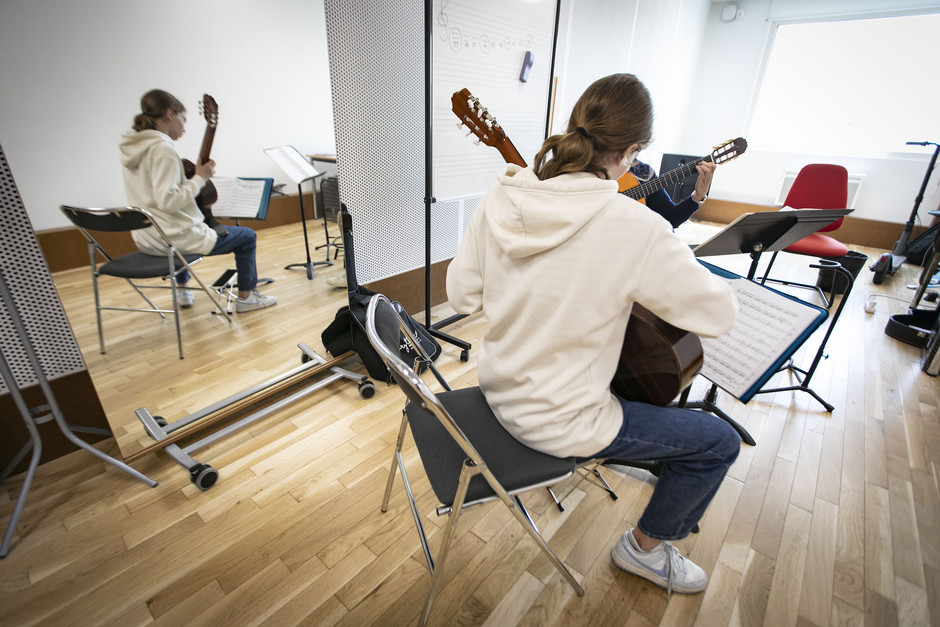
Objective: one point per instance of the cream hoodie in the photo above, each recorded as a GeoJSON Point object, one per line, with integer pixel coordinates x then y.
{"type": "Point", "coordinates": [154, 180]}
{"type": "Point", "coordinates": [556, 266]}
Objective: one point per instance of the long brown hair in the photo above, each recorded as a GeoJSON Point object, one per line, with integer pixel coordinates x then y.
{"type": "Point", "coordinates": [153, 106]}
{"type": "Point", "coordinates": [612, 114]}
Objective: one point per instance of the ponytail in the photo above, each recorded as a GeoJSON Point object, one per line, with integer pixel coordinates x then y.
{"type": "Point", "coordinates": [154, 105]}
{"type": "Point", "coordinates": [612, 114]}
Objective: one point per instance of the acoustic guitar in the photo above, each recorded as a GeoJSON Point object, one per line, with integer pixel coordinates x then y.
{"type": "Point", "coordinates": [209, 110]}
{"type": "Point", "coordinates": [630, 186]}
{"type": "Point", "coordinates": [657, 360]}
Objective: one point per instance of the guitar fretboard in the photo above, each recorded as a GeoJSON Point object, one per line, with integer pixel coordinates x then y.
{"type": "Point", "coordinates": [653, 185]}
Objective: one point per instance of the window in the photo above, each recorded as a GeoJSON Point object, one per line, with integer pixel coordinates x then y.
{"type": "Point", "coordinates": [852, 87]}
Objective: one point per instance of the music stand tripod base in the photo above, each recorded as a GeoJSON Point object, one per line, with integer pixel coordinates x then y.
{"type": "Point", "coordinates": [308, 266]}
{"type": "Point", "coordinates": [709, 405]}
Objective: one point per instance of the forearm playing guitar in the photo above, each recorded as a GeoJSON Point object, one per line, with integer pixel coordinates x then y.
{"type": "Point", "coordinates": [657, 360]}
{"type": "Point", "coordinates": [208, 195]}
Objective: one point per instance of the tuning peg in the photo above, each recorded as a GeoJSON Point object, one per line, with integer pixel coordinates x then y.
{"type": "Point", "coordinates": [460, 125]}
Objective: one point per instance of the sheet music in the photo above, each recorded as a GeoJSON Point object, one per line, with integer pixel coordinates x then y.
{"type": "Point", "coordinates": [767, 324]}
{"type": "Point", "coordinates": [240, 198]}
{"type": "Point", "coordinates": [294, 164]}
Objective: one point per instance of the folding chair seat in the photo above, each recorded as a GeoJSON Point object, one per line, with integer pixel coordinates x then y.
{"type": "Point", "coordinates": [136, 265]}
{"type": "Point", "coordinates": [467, 454]}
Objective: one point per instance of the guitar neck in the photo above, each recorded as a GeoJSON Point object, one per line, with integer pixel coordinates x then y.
{"type": "Point", "coordinates": [510, 154]}
{"type": "Point", "coordinates": [653, 185]}
{"type": "Point", "coordinates": [206, 144]}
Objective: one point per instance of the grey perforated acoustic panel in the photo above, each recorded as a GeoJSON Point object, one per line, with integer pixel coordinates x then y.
{"type": "Point", "coordinates": [378, 84]}
{"type": "Point", "coordinates": [34, 295]}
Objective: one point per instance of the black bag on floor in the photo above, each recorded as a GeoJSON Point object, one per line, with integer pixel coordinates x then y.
{"type": "Point", "coordinates": [348, 330]}
{"type": "Point", "coordinates": [920, 250]}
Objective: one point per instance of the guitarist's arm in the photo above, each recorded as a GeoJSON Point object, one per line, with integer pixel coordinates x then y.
{"type": "Point", "coordinates": [465, 272]}
{"type": "Point", "coordinates": [660, 202]}
{"type": "Point", "coordinates": [206, 170]}
{"type": "Point", "coordinates": [172, 191]}
{"type": "Point", "coordinates": [699, 301]}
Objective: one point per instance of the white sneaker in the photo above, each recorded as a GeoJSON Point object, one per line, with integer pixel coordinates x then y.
{"type": "Point", "coordinates": [255, 300]}
{"type": "Point", "coordinates": [184, 298]}
{"type": "Point", "coordinates": [337, 281]}
{"type": "Point", "coordinates": [664, 565]}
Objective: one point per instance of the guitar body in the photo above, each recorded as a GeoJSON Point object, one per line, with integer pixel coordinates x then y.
{"type": "Point", "coordinates": [657, 360]}
{"type": "Point", "coordinates": [207, 195]}
{"type": "Point", "coordinates": [627, 182]}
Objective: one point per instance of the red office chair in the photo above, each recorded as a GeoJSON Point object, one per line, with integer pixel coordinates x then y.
{"type": "Point", "coordinates": [817, 186]}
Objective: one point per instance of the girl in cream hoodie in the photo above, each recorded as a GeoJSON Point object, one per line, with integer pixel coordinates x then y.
{"type": "Point", "coordinates": [555, 258]}
{"type": "Point", "coordinates": [154, 180]}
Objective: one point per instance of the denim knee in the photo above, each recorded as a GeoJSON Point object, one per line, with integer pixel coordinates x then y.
{"type": "Point", "coordinates": [727, 444]}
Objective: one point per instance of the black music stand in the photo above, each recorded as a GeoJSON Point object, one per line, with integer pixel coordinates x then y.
{"type": "Point", "coordinates": [754, 234]}
{"type": "Point", "coordinates": [296, 166]}
{"type": "Point", "coordinates": [303, 220]}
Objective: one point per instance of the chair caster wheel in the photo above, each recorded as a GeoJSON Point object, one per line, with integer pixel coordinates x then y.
{"type": "Point", "coordinates": [366, 389]}
{"type": "Point", "coordinates": [464, 355]}
{"type": "Point", "coordinates": [160, 420]}
{"type": "Point", "coordinates": [203, 476]}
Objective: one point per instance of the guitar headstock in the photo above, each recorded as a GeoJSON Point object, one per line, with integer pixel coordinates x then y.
{"type": "Point", "coordinates": [209, 110]}
{"type": "Point", "coordinates": [475, 117]}
{"type": "Point", "coordinates": [731, 149]}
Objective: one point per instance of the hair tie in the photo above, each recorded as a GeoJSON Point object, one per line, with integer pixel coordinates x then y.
{"type": "Point", "coordinates": [583, 132]}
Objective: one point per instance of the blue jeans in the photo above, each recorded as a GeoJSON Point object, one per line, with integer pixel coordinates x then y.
{"type": "Point", "coordinates": [242, 241]}
{"type": "Point", "coordinates": [696, 450]}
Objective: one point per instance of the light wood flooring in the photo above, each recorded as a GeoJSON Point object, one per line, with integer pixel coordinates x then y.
{"type": "Point", "coordinates": [831, 519]}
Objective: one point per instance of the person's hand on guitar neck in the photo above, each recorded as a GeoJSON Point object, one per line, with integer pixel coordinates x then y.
{"type": "Point", "coordinates": [706, 170]}
{"type": "Point", "coordinates": [207, 170]}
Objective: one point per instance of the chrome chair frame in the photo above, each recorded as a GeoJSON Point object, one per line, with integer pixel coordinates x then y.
{"type": "Point", "coordinates": [381, 334]}
{"type": "Point", "coordinates": [125, 219]}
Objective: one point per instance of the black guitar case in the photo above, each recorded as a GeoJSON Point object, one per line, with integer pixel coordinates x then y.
{"type": "Point", "coordinates": [347, 331]}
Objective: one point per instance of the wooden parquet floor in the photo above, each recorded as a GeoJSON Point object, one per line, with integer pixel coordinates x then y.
{"type": "Point", "coordinates": [830, 519]}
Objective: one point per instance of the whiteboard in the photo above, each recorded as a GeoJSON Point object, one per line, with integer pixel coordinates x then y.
{"type": "Point", "coordinates": [480, 45]}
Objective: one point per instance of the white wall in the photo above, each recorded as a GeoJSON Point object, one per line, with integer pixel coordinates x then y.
{"type": "Point", "coordinates": [72, 74]}
{"type": "Point", "coordinates": [658, 40]}
{"type": "Point", "coordinates": [731, 59]}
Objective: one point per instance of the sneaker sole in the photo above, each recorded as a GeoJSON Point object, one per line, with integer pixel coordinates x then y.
{"type": "Point", "coordinates": [644, 573]}
{"type": "Point", "coordinates": [253, 308]}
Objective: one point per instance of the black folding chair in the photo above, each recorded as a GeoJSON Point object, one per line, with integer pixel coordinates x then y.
{"type": "Point", "coordinates": [135, 265]}
{"type": "Point", "coordinates": [467, 454]}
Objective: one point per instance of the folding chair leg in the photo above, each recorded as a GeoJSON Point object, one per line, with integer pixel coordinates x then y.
{"type": "Point", "coordinates": [606, 486]}
{"type": "Point", "coordinates": [522, 517]}
{"type": "Point", "coordinates": [391, 474]}
{"type": "Point", "coordinates": [437, 573]}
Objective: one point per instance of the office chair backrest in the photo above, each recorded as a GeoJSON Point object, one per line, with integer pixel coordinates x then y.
{"type": "Point", "coordinates": [110, 220]}
{"type": "Point", "coordinates": [820, 186]}
{"type": "Point", "coordinates": [329, 190]}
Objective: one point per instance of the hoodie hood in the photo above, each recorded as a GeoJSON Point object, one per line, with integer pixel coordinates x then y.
{"type": "Point", "coordinates": [135, 145]}
{"type": "Point", "coordinates": [541, 215]}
